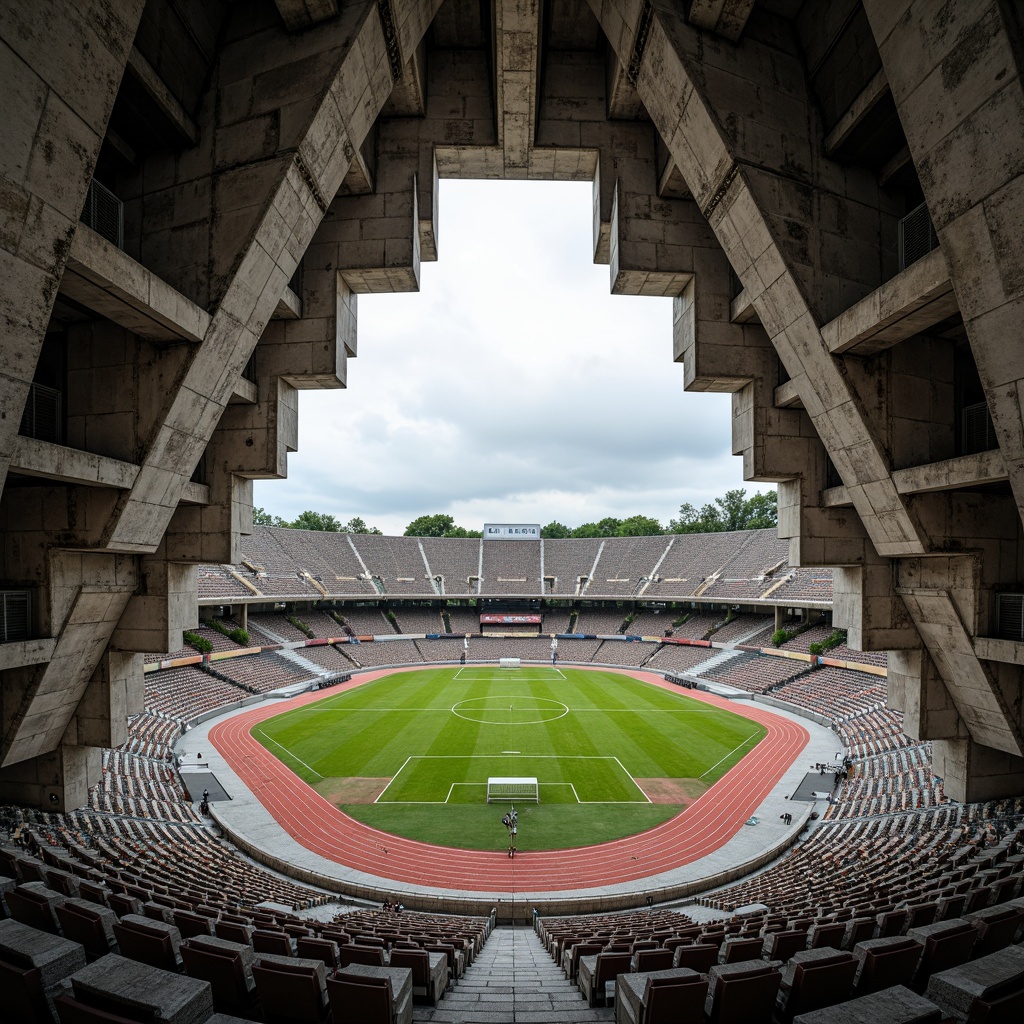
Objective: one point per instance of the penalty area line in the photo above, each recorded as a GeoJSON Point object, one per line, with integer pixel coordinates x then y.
{"type": "Point", "coordinates": [727, 756]}
{"type": "Point", "coordinates": [290, 754]}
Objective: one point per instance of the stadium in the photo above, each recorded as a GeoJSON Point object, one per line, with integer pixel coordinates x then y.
{"type": "Point", "coordinates": [265, 773]}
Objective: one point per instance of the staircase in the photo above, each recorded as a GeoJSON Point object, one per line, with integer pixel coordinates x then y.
{"type": "Point", "coordinates": [513, 979]}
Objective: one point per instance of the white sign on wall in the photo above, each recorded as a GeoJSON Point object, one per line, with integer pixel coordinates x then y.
{"type": "Point", "coordinates": [511, 531]}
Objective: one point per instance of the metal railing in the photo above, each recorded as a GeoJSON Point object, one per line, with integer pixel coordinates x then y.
{"type": "Point", "coordinates": [104, 213]}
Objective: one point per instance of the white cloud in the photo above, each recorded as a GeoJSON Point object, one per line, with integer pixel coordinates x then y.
{"type": "Point", "coordinates": [512, 387]}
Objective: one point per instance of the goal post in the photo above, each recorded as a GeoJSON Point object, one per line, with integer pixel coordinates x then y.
{"type": "Point", "coordinates": [501, 788]}
{"type": "Point", "coordinates": [510, 663]}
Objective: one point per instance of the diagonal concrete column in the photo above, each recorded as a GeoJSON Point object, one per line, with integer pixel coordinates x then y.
{"type": "Point", "coordinates": [52, 136]}
{"type": "Point", "coordinates": [301, 186]}
{"type": "Point", "coordinates": [961, 103]}
{"type": "Point", "coordinates": [761, 186]}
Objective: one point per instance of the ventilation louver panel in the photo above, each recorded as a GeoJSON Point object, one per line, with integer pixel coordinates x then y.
{"type": "Point", "coordinates": [42, 416]}
{"type": "Point", "coordinates": [14, 615]}
{"type": "Point", "coordinates": [104, 213]}
{"type": "Point", "coordinates": [917, 236]}
{"type": "Point", "coordinates": [976, 430]}
{"type": "Point", "coordinates": [1010, 612]}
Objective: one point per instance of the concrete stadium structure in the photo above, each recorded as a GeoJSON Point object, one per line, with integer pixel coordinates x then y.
{"type": "Point", "coordinates": [194, 194]}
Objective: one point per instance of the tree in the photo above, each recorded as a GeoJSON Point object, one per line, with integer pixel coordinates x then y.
{"type": "Point", "coordinates": [733, 511]}
{"type": "Point", "coordinates": [461, 531]}
{"type": "Point", "coordinates": [436, 525]}
{"type": "Point", "coordinates": [357, 525]}
{"type": "Point", "coordinates": [763, 511]}
{"type": "Point", "coordinates": [607, 527]}
{"type": "Point", "coordinates": [310, 520]}
{"type": "Point", "coordinates": [639, 526]}
{"type": "Point", "coordinates": [555, 529]}
{"type": "Point", "coordinates": [261, 517]}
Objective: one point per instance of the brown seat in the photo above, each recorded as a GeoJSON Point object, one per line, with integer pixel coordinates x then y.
{"type": "Point", "coordinates": [595, 972]}
{"type": "Point", "coordinates": [575, 951]}
{"type": "Point", "coordinates": [360, 1000]}
{"type": "Point", "coordinates": [816, 982]}
{"type": "Point", "coordinates": [353, 954]}
{"type": "Point", "coordinates": [225, 973]}
{"type": "Point", "coordinates": [735, 951]}
{"type": "Point", "coordinates": [427, 985]}
{"type": "Point", "coordinates": [234, 931]}
{"type": "Point", "coordinates": [742, 993]}
{"type": "Point", "coordinates": [699, 958]}
{"type": "Point", "coordinates": [146, 945]}
{"type": "Point", "coordinates": [266, 941]}
{"type": "Point", "coordinates": [652, 960]}
{"type": "Point", "coordinates": [782, 945]}
{"type": "Point", "coordinates": [23, 995]}
{"type": "Point", "coordinates": [996, 927]}
{"type": "Point", "coordinates": [946, 944]}
{"type": "Point", "coordinates": [33, 908]}
{"type": "Point", "coordinates": [675, 1000]}
{"type": "Point", "coordinates": [886, 962]}
{"type": "Point", "coordinates": [91, 928]}
{"type": "Point", "coordinates": [289, 992]}
{"type": "Point", "coordinates": [191, 925]}
{"type": "Point", "coordinates": [830, 934]}
{"type": "Point", "coordinates": [73, 1011]}
{"type": "Point", "coordinates": [325, 950]}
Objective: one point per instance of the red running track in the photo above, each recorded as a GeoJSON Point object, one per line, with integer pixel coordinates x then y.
{"type": "Point", "coordinates": [709, 822]}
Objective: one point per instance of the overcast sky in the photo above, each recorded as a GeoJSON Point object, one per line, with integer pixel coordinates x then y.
{"type": "Point", "coordinates": [511, 388]}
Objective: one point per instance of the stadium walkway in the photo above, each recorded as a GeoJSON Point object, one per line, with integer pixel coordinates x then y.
{"type": "Point", "coordinates": [513, 980]}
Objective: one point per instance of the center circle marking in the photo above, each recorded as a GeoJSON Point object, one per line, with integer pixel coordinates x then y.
{"type": "Point", "coordinates": [496, 710]}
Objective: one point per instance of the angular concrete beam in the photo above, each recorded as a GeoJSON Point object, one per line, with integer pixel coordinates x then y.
{"type": "Point", "coordinates": [863, 103]}
{"type": "Point", "coordinates": [952, 474]}
{"type": "Point", "coordinates": [108, 281]}
{"type": "Point", "coordinates": [52, 136]}
{"type": "Point", "coordinates": [974, 188]}
{"type": "Point", "coordinates": [300, 14]}
{"type": "Point", "coordinates": [727, 18]}
{"type": "Point", "coordinates": [70, 465]}
{"type": "Point", "coordinates": [88, 592]}
{"type": "Point", "coordinates": [907, 304]}
{"type": "Point", "coordinates": [972, 688]}
{"type": "Point", "coordinates": [300, 186]}
{"type": "Point", "coordinates": [516, 29]}
{"type": "Point", "coordinates": [146, 75]}
{"type": "Point", "coordinates": [759, 216]}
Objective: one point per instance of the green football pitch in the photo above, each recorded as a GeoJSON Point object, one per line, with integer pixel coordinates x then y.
{"type": "Point", "coordinates": [411, 753]}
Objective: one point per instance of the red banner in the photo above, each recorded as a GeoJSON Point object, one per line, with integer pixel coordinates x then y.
{"type": "Point", "coordinates": [508, 620]}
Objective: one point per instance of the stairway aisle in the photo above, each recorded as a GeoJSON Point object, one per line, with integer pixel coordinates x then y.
{"type": "Point", "coordinates": [513, 980]}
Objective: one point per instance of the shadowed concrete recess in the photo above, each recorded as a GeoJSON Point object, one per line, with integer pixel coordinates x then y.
{"type": "Point", "coordinates": [194, 195]}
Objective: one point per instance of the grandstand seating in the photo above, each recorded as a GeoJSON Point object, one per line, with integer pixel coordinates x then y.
{"type": "Point", "coordinates": [261, 673]}
{"type": "Point", "coordinates": [412, 619]}
{"type": "Point", "coordinates": [511, 567]}
{"type": "Point", "coordinates": [367, 621]}
{"type": "Point", "coordinates": [597, 619]}
{"type": "Point", "coordinates": [680, 658]}
{"type": "Point", "coordinates": [308, 565]}
{"type": "Point", "coordinates": [625, 564]}
{"type": "Point", "coordinates": [755, 673]}
{"type": "Point", "coordinates": [397, 562]}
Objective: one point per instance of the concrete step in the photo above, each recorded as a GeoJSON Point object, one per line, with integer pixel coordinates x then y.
{"type": "Point", "coordinates": [513, 980]}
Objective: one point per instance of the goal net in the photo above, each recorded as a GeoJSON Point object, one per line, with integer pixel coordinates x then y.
{"type": "Point", "coordinates": [512, 663]}
{"type": "Point", "coordinates": [500, 788]}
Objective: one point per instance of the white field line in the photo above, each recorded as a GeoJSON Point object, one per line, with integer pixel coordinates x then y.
{"type": "Point", "coordinates": [631, 779]}
{"type": "Point", "coordinates": [290, 754]}
{"type": "Point", "coordinates": [727, 756]}
{"type": "Point", "coordinates": [575, 794]}
{"type": "Point", "coordinates": [393, 777]}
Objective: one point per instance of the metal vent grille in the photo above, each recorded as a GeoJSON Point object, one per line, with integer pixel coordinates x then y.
{"type": "Point", "coordinates": [104, 213]}
{"type": "Point", "coordinates": [14, 615]}
{"type": "Point", "coordinates": [42, 417]}
{"type": "Point", "coordinates": [1010, 613]}
{"type": "Point", "coordinates": [977, 432]}
{"type": "Point", "coordinates": [917, 236]}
